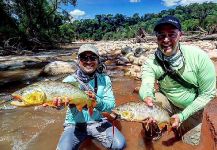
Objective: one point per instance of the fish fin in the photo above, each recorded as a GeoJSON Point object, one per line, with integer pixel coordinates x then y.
{"type": "Point", "coordinates": [94, 103]}
{"type": "Point", "coordinates": [177, 132]}
{"type": "Point", "coordinates": [79, 107]}
{"type": "Point", "coordinates": [169, 125]}
{"type": "Point", "coordinates": [162, 125]}
{"type": "Point", "coordinates": [172, 120]}
{"type": "Point", "coordinates": [169, 128]}
{"type": "Point", "coordinates": [49, 104]}
{"type": "Point", "coordinates": [90, 109]}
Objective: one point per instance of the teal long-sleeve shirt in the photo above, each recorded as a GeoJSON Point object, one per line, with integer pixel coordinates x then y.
{"type": "Point", "coordinates": [199, 70]}
{"type": "Point", "coordinates": [105, 101]}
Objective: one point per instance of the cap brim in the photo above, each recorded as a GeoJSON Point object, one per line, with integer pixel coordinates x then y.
{"type": "Point", "coordinates": [88, 51]}
{"type": "Point", "coordinates": [164, 23]}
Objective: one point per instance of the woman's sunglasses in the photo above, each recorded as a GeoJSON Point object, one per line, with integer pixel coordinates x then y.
{"type": "Point", "coordinates": [88, 58]}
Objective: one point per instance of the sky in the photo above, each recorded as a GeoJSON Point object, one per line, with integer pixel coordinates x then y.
{"type": "Point", "coordinates": [89, 8]}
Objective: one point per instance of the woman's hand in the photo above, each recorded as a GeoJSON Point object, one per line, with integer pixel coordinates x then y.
{"type": "Point", "coordinates": [91, 94]}
{"type": "Point", "coordinates": [58, 102]}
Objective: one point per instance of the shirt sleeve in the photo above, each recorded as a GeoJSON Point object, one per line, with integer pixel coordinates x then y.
{"type": "Point", "coordinates": [106, 102]}
{"type": "Point", "coordinates": [207, 87]}
{"type": "Point", "coordinates": [148, 80]}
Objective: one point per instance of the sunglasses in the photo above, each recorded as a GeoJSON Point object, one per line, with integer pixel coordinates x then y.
{"type": "Point", "coordinates": [172, 35]}
{"type": "Point", "coordinates": [88, 58]}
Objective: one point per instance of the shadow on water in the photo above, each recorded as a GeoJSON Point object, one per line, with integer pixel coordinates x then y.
{"type": "Point", "coordinates": [35, 128]}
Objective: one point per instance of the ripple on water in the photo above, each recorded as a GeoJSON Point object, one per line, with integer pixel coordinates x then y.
{"type": "Point", "coordinates": [23, 128]}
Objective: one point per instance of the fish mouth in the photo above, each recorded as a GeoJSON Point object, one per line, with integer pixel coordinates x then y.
{"type": "Point", "coordinates": [115, 116]}
{"type": "Point", "coordinates": [17, 97]}
{"type": "Point", "coordinates": [17, 100]}
{"type": "Point", "coordinates": [18, 103]}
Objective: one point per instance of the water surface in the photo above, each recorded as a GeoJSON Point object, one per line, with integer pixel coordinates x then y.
{"type": "Point", "coordinates": [35, 128]}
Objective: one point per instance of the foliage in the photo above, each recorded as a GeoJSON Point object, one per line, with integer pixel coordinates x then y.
{"type": "Point", "coordinates": [117, 27]}
{"type": "Point", "coordinates": [32, 21]}
{"type": "Point", "coordinates": [43, 21]}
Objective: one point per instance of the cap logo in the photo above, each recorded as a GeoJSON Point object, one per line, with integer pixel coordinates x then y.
{"type": "Point", "coordinates": [173, 21]}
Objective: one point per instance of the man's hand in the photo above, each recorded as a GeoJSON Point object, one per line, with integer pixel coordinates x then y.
{"type": "Point", "coordinates": [176, 122]}
{"type": "Point", "coordinates": [149, 101]}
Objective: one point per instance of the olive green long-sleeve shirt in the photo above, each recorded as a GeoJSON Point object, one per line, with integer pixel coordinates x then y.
{"type": "Point", "coordinates": [199, 70]}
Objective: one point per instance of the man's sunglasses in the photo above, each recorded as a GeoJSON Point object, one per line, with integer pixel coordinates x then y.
{"type": "Point", "coordinates": [171, 35]}
{"type": "Point", "coordinates": [88, 58]}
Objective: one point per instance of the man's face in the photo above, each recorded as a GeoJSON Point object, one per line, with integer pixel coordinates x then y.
{"type": "Point", "coordinates": [168, 39]}
{"type": "Point", "coordinates": [88, 62]}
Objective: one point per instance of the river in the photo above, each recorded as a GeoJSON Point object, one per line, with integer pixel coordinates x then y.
{"type": "Point", "coordinates": [35, 128]}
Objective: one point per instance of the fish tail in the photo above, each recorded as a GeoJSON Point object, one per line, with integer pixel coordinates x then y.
{"type": "Point", "coordinates": [90, 109]}
{"type": "Point", "coordinates": [79, 107]}
{"type": "Point", "coordinates": [163, 125]}
{"type": "Point", "coordinates": [94, 103]}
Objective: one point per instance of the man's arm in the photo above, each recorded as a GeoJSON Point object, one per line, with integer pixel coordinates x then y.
{"type": "Point", "coordinates": [148, 80]}
{"type": "Point", "coordinates": [207, 87]}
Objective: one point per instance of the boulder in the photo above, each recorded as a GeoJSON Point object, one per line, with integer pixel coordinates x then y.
{"type": "Point", "coordinates": [59, 67]}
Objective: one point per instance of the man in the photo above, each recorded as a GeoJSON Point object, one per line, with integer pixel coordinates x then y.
{"type": "Point", "coordinates": [186, 77]}
{"type": "Point", "coordinates": [79, 126]}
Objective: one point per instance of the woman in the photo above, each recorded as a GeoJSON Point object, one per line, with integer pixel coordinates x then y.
{"type": "Point", "coordinates": [79, 126]}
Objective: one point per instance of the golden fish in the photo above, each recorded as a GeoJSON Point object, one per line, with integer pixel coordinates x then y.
{"type": "Point", "coordinates": [45, 91]}
{"type": "Point", "coordinates": [140, 112]}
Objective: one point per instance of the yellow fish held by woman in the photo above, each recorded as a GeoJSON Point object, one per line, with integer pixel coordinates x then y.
{"type": "Point", "coordinates": [45, 91]}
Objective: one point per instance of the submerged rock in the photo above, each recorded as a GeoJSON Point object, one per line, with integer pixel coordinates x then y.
{"type": "Point", "coordinates": [59, 67]}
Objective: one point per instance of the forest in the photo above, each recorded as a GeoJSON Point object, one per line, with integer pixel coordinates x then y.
{"type": "Point", "coordinates": [34, 24]}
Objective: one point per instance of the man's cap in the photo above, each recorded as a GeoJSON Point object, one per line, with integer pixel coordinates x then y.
{"type": "Point", "coordinates": [88, 48]}
{"type": "Point", "coordinates": [172, 20]}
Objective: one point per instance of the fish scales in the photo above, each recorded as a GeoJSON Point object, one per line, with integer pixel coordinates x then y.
{"type": "Point", "coordinates": [139, 111]}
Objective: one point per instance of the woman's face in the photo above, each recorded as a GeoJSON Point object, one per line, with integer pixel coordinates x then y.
{"type": "Point", "coordinates": [88, 62]}
{"type": "Point", "coordinates": [168, 39]}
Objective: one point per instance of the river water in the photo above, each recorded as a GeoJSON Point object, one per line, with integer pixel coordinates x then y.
{"type": "Point", "coordinates": [39, 128]}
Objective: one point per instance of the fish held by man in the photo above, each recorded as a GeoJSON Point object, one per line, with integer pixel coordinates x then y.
{"type": "Point", "coordinates": [44, 92]}
{"type": "Point", "coordinates": [140, 112]}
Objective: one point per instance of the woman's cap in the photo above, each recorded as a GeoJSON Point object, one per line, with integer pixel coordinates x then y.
{"type": "Point", "coordinates": [88, 48]}
{"type": "Point", "coordinates": [172, 20]}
